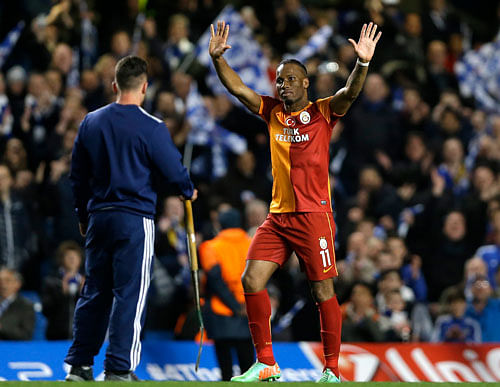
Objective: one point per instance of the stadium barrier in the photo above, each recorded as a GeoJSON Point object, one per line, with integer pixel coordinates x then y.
{"type": "Point", "coordinates": [174, 360]}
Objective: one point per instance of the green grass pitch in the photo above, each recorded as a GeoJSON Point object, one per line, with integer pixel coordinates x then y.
{"type": "Point", "coordinates": [149, 383]}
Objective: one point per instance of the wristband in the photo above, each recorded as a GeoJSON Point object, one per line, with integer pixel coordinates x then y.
{"type": "Point", "coordinates": [364, 64]}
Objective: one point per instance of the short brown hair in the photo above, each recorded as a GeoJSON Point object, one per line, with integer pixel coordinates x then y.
{"type": "Point", "coordinates": [130, 72]}
{"type": "Point", "coordinates": [67, 246]}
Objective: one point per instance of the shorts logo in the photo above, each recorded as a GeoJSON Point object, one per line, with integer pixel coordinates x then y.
{"type": "Point", "coordinates": [305, 117]}
{"type": "Point", "coordinates": [325, 254]}
{"type": "Point", "coordinates": [290, 122]}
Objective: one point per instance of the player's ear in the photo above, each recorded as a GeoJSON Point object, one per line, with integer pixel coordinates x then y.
{"type": "Point", "coordinates": [305, 83]}
{"type": "Point", "coordinates": [115, 87]}
{"type": "Point", "coordinates": [144, 87]}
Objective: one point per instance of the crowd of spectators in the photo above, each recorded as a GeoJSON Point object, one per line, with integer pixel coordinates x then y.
{"type": "Point", "coordinates": [414, 164]}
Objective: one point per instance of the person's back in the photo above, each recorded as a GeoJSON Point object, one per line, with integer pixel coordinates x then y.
{"type": "Point", "coordinates": [228, 250]}
{"type": "Point", "coordinates": [123, 145]}
{"type": "Point", "coordinates": [17, 316]}
{"type": "Point", "coordinates": [223, 260]}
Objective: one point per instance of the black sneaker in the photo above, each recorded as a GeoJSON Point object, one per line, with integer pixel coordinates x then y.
{"type": "Point", "coordinates": [80, 374]}
{"type": "Point", "coordinates": [111, 376]}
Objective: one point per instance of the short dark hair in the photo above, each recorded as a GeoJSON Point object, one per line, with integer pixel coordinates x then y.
{"type": "Point", "coordinates": [295, 62]}
{"type": "Point", "coordinates": [130, 71]}
{"type": "Point", "coordinates": [387, 272]}
{"type": "Point", "coordinates": [230, 218]}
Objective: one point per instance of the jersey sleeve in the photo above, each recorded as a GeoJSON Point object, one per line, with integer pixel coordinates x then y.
{"type": "Point", "coordinates": [267, 104]}
{"type": "Point", "coordinates": [323, 105]}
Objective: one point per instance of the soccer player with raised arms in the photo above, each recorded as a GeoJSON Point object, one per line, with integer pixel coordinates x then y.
{"type": "Point", "coordinates": [300, 217]}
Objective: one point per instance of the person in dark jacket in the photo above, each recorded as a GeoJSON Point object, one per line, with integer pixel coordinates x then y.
{"type": "Point", "coordinates": [360, 319]}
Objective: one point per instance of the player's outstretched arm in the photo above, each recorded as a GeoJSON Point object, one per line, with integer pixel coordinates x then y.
{"type": "Point", "coordinates": [364, 48]}
{"type": "Point", "coordinates": [232, 82]}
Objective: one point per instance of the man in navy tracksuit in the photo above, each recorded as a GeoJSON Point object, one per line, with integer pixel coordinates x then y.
{"type": "Point", "coordinates": [116, 153]}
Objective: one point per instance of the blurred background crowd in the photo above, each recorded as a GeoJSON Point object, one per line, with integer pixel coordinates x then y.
{"type": "Point", "coordinates": [414, 164]}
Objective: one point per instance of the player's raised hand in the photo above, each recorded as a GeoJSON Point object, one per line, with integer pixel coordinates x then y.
{"type": "Point", "coordinates": [218, 41]}
{"type": "Point", "coordinates": [365, 47]}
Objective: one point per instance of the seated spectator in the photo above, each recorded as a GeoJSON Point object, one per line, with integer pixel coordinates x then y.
{"type": "Point", "coordinates": [484, 188]}
{"type": "Point", "coordinates": [178, 44]}
{"type": "Point", "coordinates": [39, 119]}
{"type": "Point", "coordinates": [473, 267]}
{"type": "Point", "coordinates": [16, 83]}
{"type": "Point", "coordinates": [410, 49]}
{"type": "Point", "coordinates": [399, 321]}
{"type": "Point", "coordinates": [356, 267]}
{"type": "Point", "coordinates": [414, 116]}
{"type": "Point", "coordinates": [60, 292]}
{"type": "Point", "coordinates": [6, 119]}
{"type": "Point", "coordinates": [255, 213]}
{"type": "Point", "coordinates": [455, 327]}
{"type": "Point", "coordinates": [17, 315]}
{"type": "Point", "coordinates": [281, 323]}
{"type": "Point", "coordinates": [57, 197]}
{"type": "Point", "coordinates": [490, 254]}
{"type": "Point", "coordinates": [450, 249]}
{"type": "Point", "coordinates": [438, 77]}
{"type": "Point", "coordinates": [374, 247]}
{"type": "Point", "coordinates": [120, 44]}
{"type": "Point", "coordinates": [417, 159]}
{"type": "Point", "coordinates": [381, 197]}
{"type": "Point", "coordinates": [386, 261]}
{"type": "Point", "coordinates": [171, 278]}
{"type": "Point", "coordinates": [371, 128]}
{"type": "Point", "coordinates": [453, 167]}
{"type": "Point", "coordinates": [413, 277]}
{"type": "Point", "coordinates": [389, 281]}
{"type": "Point", "coordinates": [497, 283]}
{"type": "Point", "coordinates": [357, 251]}
{"type": "Point", "coordinates": [485, 309]}
{"type": "Point", "coordinates": [242, 183]}
{"type": "Point", "coordinates": [411, 269]}
{"type": "Point", "coordinates": [480, 135]}
{"type": "Point", "coordinates": [105, 69]}
{"type": "Point", "coordinates": [171, 235]}
{"type": "Point", "coordinates": [15, 156]}
{"type": "Point", "coordinates": [439, 20]}
{"type": "Point", "coordinates": [360, 320]}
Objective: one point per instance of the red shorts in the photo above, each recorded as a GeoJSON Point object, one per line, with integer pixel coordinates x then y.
{"type": "Point", "coordinates": [310, 234]}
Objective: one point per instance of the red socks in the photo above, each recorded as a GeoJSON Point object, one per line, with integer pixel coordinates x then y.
{"type": "Point", "coordinates": [331, 324]}
{"type": "Point", "coordinates": [259, 315]}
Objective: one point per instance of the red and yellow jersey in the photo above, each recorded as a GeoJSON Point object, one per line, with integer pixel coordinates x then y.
{"type": "Point", "coordinates": [299, 144]}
